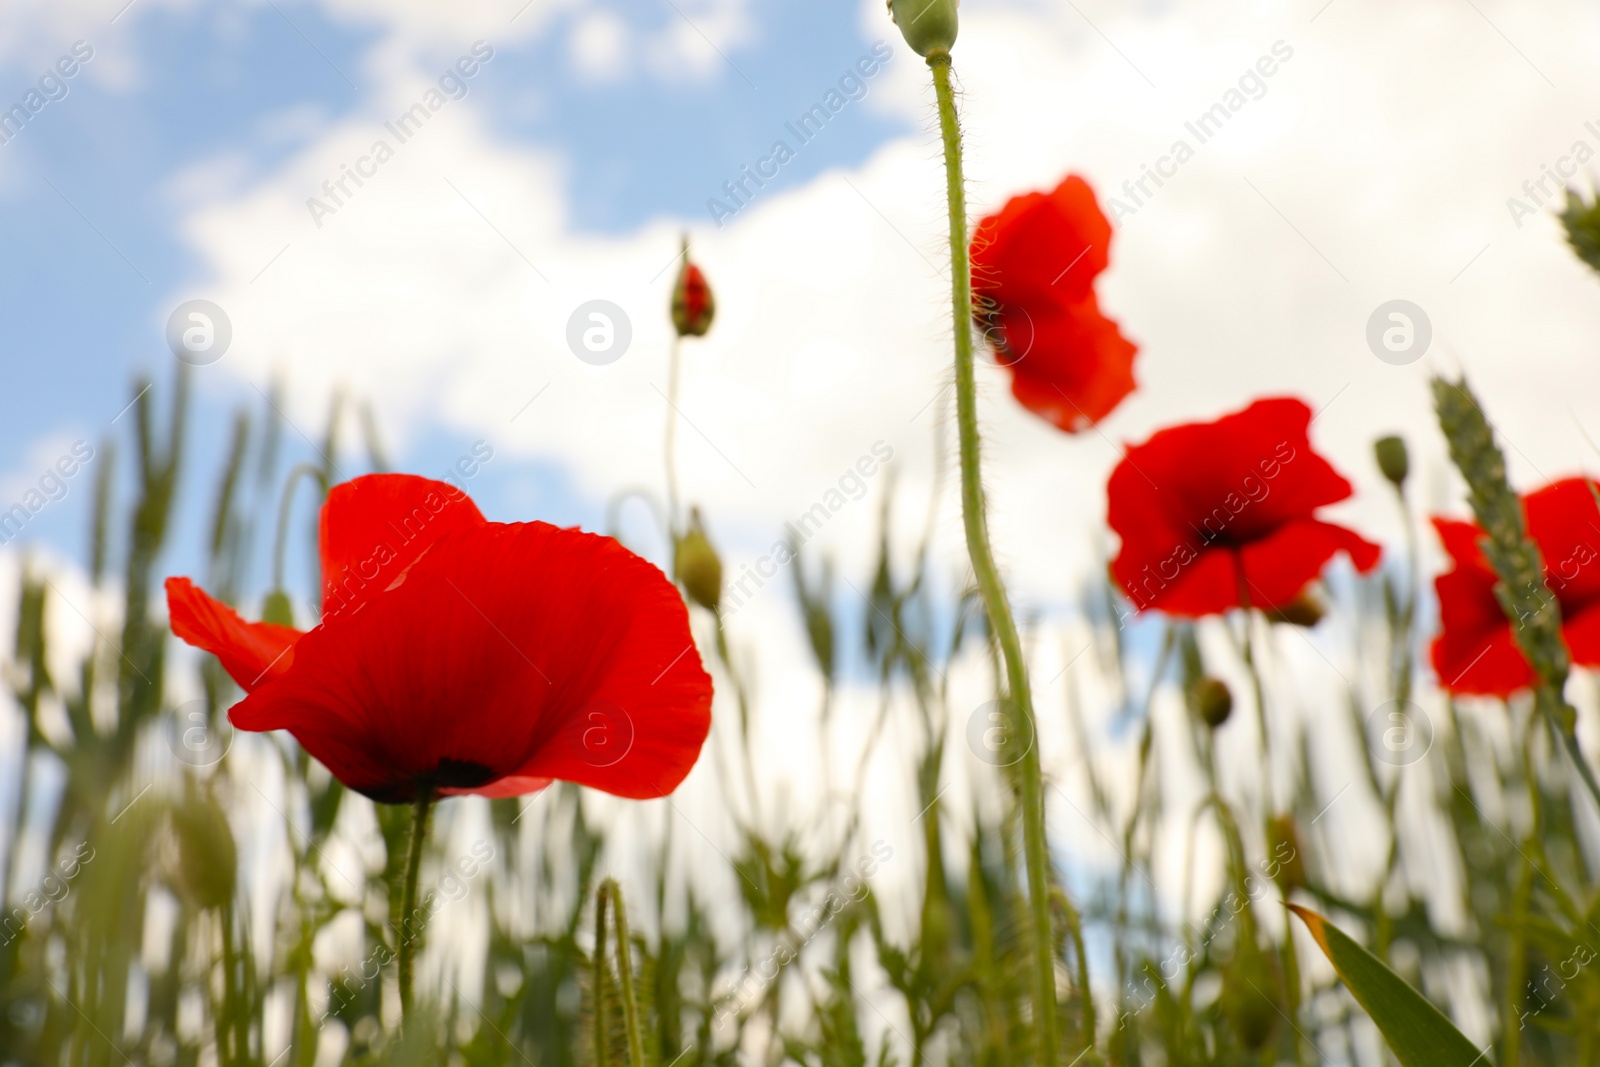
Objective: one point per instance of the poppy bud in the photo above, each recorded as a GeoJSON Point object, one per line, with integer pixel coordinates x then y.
{"type": "Point", "coordinates": [277, 609]}
{"type": "Point", "coordinates": [929, 26]}
{"type": "Point", "coordinates": [1283, 847]}
{"type": "Point", "coordinates": [1213, 701]}
{"type": "Point", "coordinates": [1250, 994]}
{"type": "Point", "coordinates": [695, 565]}
{"type": "Point", "coordinates": [693, 306]}
{"type": "Point", "coordinates": [1582, 222]}
{"type": "Point", "coordinates": [1304, 610]}
{"type": "Point", "coordinates": [207, 859]}
{"type": "Point", "coordinates": [1392, 459]}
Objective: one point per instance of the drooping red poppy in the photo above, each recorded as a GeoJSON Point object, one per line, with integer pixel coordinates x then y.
{"type": "Point", "coordinates": [1033, 269]}
{"type": "Point", "coordinates": [1219, 515]}
{"type": "Point", "coordinates": [1476, 650]}
{"type": "Point", "coordinates": [469, 656]}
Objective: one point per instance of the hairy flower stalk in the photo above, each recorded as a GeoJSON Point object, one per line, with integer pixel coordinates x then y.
{"type": "Point", "coordinates": [611, 894]}
{"type": "Point", "coordinates": [988, 576]}
{"type": "Point", "coordinates": [1524, 595]}
{"type": "Point", "coordinates": [602, 1034]}
{"type": "Point", "coordinates": [630, 1004]}
{"type": "Point", "coordinates": [669, 448]}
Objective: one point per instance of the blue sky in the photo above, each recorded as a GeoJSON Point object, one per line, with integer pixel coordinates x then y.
{"type": "Point", "coordinates": [91, 205]}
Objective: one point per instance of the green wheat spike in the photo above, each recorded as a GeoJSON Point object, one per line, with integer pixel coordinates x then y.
{"type": "Point", "coordinates": [1526, 599]}
{"type": "Point", "coordinates": [1523, 594]}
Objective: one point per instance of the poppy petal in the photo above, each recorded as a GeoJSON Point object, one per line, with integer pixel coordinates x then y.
{"type": "Point", "coordinates": [1259, 471]}
{"type": "Point", "coordinates": [1490, 664]}
{"type": "Point", "coordinates": [251, 652]}
{"type": "Point", "coordinates": [374, 527]}
{"type": "Point", "coordinates": [1582, 634]}
{"type": "Point", "coordinates": [1207, 585]}
{"type": "Point", "coordinates": [1474, 651]}
{"type": "Point", "coordinates": [1565, 522]}
{"type": "Point", "coordinates": [1195, 502]}
{"type": "Point", "coordinates": [1460, 540]}
{"type": "Point", "coordinates": [510, 651]}
{"type": "Point", "coordinates": [1042, 246]}
{"type": "Point", "coordinates": [501, 788]}
{"type": "Point", "coordinates": [1077, 367]}
{"type": "Point", "coordinates": [1279, 566]}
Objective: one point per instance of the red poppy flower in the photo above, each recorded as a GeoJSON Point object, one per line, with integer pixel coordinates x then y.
{"type": "Point", "coordinates": [469, 656]}
{"type": "Point", "coordinates": [1220, 515]}
{"type": "Point", "coordinates": [1033, 269]}
{"type": "Point", "coordinates": [1476, 650]}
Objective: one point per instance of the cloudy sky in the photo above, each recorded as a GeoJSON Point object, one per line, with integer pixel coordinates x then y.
{"type": "Point", "coordinates": [1377, 162]}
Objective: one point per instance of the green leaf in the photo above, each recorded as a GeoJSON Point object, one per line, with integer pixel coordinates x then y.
{"type": "Point", "coordinates": [1417, 1032]}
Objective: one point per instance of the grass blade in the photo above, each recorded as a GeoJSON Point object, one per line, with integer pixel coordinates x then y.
{"type": "Point", "coordinates": [1417, 1032]}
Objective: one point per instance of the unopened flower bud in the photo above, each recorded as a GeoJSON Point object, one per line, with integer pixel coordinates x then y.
{"type": "Point", "coordinates": [695, 565]}
{"type": "Point", "coordinates": [1392, 459]}
{"type": "Point", "coordinates": [929, 26]}
{"type": "Point", "coordinates": [1213, 701]}
{"type": "Point", "coordinates": [693, 306]}
{"type": "Point", "coordinates": [1581, 220]}
{"type": "Point", "coordinates": [277, 609]}
{"type": "Point", "coordinates": [206, 869]}
{"type": "Point", "coordinates": [1251, 989]}
{"type": "Point", "coordinates": [1306, 610]}
{"type": "Point", "coordinates": [1283, 848]}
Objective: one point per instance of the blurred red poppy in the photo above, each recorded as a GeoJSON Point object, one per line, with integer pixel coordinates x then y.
{"type": "Point", "coordinates": [469, 656]}
{"type": "Point", "coordinates": [1220, 515]}
{"type": "Point", "coordinates": [1033, 269]}
{"type": "Point", "coordinates": [1476, 650]}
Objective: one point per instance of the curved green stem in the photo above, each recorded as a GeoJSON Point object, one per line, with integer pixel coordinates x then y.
{"type": "Point", "coordinates": [408, 897]}
{"type": "Point", "coordinates": [285, 502]}
{"type": "Point", "coordinates": [1569, 739]}
{"type": "Point", "coordinates": [987, 575]}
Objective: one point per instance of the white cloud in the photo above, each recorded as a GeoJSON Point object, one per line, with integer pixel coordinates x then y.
{"type": "Point", "coordinates": [600, 46]}
{"type": "Point", "coordinates": [691, 44]}
{"type": "Point", "coordinates": [697, 45]}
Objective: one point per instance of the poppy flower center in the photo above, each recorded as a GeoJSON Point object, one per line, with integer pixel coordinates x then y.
{"type": "Point", "coordinates": [459, 774]}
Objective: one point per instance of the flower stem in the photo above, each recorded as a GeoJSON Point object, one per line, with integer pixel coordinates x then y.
{"type": "Point", "coordinates": [602, 1035]}
{"type": "Point", "coordinates": [408, 896]}
{"type": "Point", "coordinates": [669, 450]}
{"type": "Point", "coordinates": [630, 1007]}
{"type": "Point", "coordinates": [285, 502]}
{"type": "Point", "coordinates": [988, 576]}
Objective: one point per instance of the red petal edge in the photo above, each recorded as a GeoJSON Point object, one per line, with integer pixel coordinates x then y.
{"type": "Point", "coordinates": [251, 652]}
